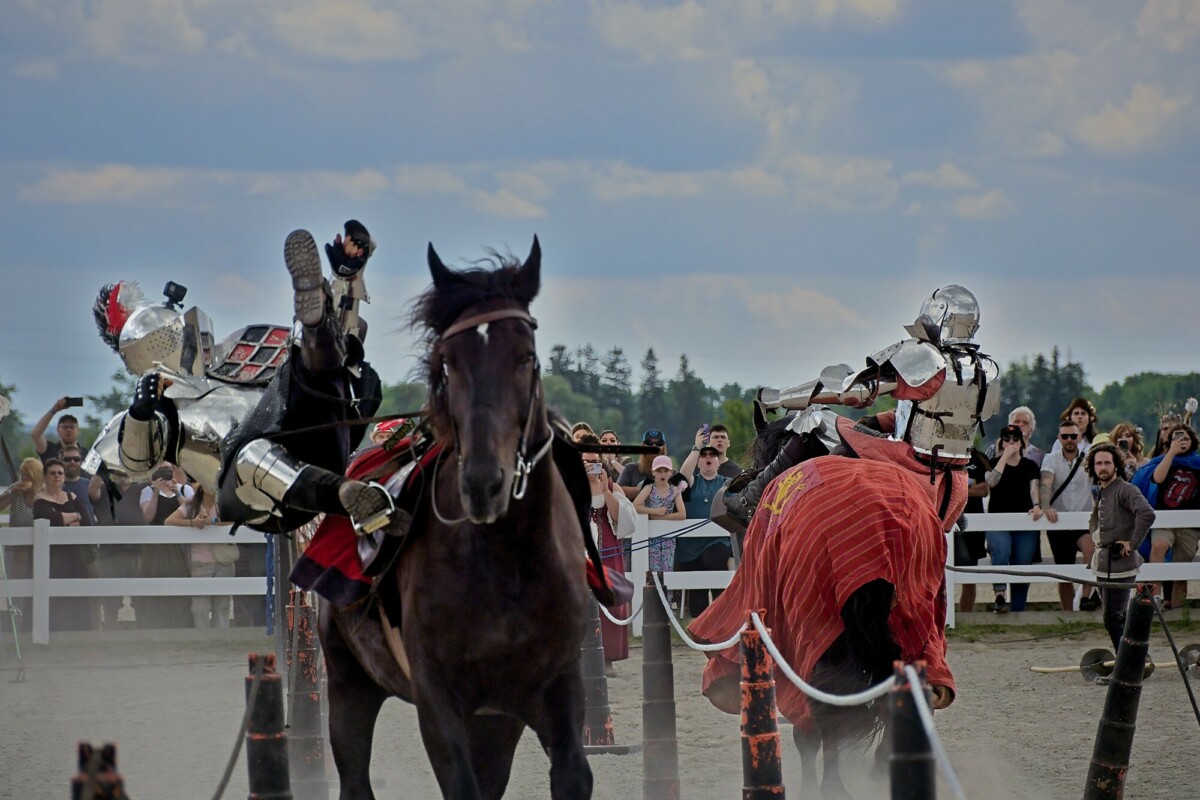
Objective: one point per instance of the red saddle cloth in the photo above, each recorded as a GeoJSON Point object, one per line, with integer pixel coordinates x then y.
{"type": "Point", "coordinates": [823, 529]}
{"type": "Point", "coordinates": [330, 565]}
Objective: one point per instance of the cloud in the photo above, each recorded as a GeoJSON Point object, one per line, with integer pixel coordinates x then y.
{"type": "Point", "coordinates": [947, 177]}
{"type": "Point", "coordinates": [1132, 127]}
{"type": "Point", "coordinates": [652, 33]}
{"type": "Point", "coordinates": [136, 29]}
{"type": "Point", "coordinates": [992, 204]}
{"type": "Point", "coordinates": [110, 183]}
{"type": "Point", "coordinates": [622, 182]}
{"type": "Point", "coordinates": [346, 30]}
{"type": "Point", "coordinates": [758, 181]}
{"type": "Point", "coordinates": [841, 183]}
{"type": "Point", "coordinates": [40, 69]}
{"type": "Point", "coordinates": [364, 183]}
{"type": "Point", "coordinates": [504, 203]}
{"type": "Point", "coordinates": [418, 179]}
{"type": "Point", "coordinates": [1170, 24]}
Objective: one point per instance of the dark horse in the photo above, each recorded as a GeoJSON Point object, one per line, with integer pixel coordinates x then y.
{"type": "Point", "coordinates": [882, 603]}
{"type": "Point", "coordinates": [492, 584]}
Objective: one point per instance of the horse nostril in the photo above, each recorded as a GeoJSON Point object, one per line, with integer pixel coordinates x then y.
{"type": "Point", "coordinates": [483, 485]}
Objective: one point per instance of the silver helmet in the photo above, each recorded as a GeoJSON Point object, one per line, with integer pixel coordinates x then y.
{"type": "Point", "coordinates": [949, 316]}
{"type": "Point", "coordinates": [152, 335]}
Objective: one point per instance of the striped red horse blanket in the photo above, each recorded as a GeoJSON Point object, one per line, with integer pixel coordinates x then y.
{"type": "Point", "coordinates": [823, 529]}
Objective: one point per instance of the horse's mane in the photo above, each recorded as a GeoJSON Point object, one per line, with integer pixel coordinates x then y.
{"type": "Point", "coordinates": [433, 311]}
{"type": "Point", "coordinates": [771, 436]}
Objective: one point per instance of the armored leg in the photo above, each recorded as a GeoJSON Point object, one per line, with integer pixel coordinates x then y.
{"type": "Point", "coordinates": [270, 478]}
{"type": "Point", "coordinates": [741, 504]}
{"type": "Point", "coordinates": [322, 346]}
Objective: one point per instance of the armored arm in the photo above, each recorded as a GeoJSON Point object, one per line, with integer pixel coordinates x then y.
{"type": "Point", "coordinates": [838, 385]}
{"type": "Point", "coordinates": [143, 432]}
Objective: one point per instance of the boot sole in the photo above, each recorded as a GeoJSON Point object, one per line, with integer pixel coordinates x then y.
{"type": "Point", "coordinates": [368, 507]}
{"type": "Point", "coordinates": [303, 261]}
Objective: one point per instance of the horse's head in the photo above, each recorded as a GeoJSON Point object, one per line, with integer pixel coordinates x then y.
{"type": "Point", "coordinates": [485, 390]}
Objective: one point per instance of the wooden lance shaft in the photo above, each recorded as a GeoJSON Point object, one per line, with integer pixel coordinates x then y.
{"type": "Point", "coordinates": [911, 769]}
{"type": "Point", "coordinates": [266, 741]}
{"type": "Point", "coordinates": [97, 777]}
{"type": "Point", "coordinates": [1114, 737]}
{"type": "Point", "coordinates": [306, 743]}
{"type": "Point", "coordinates": [660, 756]}
{"type": "Point", "coordinates": [762, 760]}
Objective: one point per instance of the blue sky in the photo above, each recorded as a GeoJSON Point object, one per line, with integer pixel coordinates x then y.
{"type": "Point", "coordinates": [769, 186]}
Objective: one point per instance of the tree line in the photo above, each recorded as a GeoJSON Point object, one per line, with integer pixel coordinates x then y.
{"type": "Point", "coordinates": [602, 389]}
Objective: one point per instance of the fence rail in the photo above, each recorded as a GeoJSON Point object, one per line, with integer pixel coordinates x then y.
{"type": "Point", "coordinates": [41, 587]}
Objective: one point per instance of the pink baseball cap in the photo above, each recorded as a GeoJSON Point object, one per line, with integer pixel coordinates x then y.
{"type": "Point", "coordinates": [662, 462]}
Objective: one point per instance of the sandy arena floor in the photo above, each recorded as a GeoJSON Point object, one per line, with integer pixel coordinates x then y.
{"type": "Point", "coordinates": [173, 706]}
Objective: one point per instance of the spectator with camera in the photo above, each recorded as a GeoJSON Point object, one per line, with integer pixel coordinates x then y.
{"type": "Point", "coordinates": [613, 463]}
{"type": "Point", "coordinates": [1120, 521]}
{"type": "Point", "coordinates": [1128, 439]}
{"type": "Point", "coordinates": [206, 560]}
{"type": "Point", "coordinates": [1171, 482]}
{"type": "Point", "coordinates": [1024, 418]}
{"type": "Point", "coordinates": [68, 430]}
{"type": "Point", "coordinates": [1065, 488]}
{"type": "Point", "coordinates": [1013, 487]}
{"type": "Point", "coordinates": [708, 553]}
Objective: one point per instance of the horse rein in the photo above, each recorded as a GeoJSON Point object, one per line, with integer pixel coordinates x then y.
{"type": "Point", "coordinates": [524, 465]}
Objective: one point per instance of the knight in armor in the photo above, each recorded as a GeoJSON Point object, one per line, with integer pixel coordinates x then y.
{"type": "Point", "coordinates": [945, 388]}
{"type": "Point", "coordinates": [266, 419]}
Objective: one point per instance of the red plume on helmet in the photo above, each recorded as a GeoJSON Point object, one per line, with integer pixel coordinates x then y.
{"type": "Point", "coordinates": [113, 306]}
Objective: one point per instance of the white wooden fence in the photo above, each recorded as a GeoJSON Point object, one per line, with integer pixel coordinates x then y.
{"type": "Point", "coordinates": [41, 587]}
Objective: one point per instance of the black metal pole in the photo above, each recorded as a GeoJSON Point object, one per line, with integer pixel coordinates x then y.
{"type": "Point", "coordinates": [1114, 736]}
{"type": "Point", "coordinates": [266, 741]}
{"type": "Point", "coordinates": [660, 756]}
{"type": "Point", "coordinates": [598, 734]}
{"type": "Point", "coordinates": [97, 770]}
{"type": "Point", "coordinates": [762, 761]}
{"type": "Point", "coordinates": [911, 769]}
{"type": "Point", "coordinates": [306, 744]}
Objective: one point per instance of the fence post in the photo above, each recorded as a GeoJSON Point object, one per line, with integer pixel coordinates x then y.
{"type": "Point", "coordinates": [266, 740]}
{"type": "Point", "coordinates": [97, 778]}
{"type": "Point", "coordinates": [306, 744]}
{"type": "Point", "coordinates": [1114, 736]}
{"type": "Point", "coordinates": [40, 607]}
{"type": "Point", "coordinates": [911, 769]}
{"type": "Point", "coordinates": [762, 761]}
{"type": "Point", "coordinates": [660, 756]}
{"type": "Point", "coordinates": [640, 561]}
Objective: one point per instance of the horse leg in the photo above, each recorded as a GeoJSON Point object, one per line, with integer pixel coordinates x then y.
{"type": "Point", "coordinates": [443, 723]}
{"type": "Point", "coordinates": [807, 743]}
{"type": "Point", "coordinates": [832, 787]}
{"type": "Point", "coordinates": [559, 727]}
{"type": "Point", "coordinates": [493, 740]}
{"type": "Point", "coordinates": [354, 703]}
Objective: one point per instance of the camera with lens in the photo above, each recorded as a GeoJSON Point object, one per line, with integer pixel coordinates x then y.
{"type": "Point", "coordinates": [174, 293]}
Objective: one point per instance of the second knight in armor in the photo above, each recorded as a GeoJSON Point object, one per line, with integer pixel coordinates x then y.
{"type": "Point", "coordinates": [275, 454]}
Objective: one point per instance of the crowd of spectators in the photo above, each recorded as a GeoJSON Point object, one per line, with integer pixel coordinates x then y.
{"type": "Point", "coordinates": [1015, 476]}
{"type": "Point", "coordinates": [55, 487]}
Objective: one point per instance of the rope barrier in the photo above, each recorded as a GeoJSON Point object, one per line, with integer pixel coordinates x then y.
{"type": "Point", "coordinates": [1187, 683]}
{"type": "Point", "coordinates": [926, 714]}
{"type": "Point", "coordinates": [646, 543]}
{"type": "Point", "coordinates": [844, 700]}
{"type": "Point", "coordinates": [13, 612]}
{"type": "Point", "coordinates": [622, 622]}
{"type": "Point", "coordinates": [704, 648]}
{"type": "Point", "coordinates": [1039, 574]}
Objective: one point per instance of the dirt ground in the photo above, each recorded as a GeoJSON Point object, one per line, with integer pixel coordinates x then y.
{"type": "Point", "coordinates": [173, 705]}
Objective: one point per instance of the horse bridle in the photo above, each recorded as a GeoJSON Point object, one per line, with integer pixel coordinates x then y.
{"type": "Point", "coordinates": [524, 465]}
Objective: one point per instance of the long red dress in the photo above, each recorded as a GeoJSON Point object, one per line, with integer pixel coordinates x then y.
{"type": "Point", "coordinates": [823, 529]}
{"type": "Point", "coordinates": [615, 637]}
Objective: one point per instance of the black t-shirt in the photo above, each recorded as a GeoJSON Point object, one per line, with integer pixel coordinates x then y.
{"type": "Point", "coordinates": [1180, 491]}
{"type": "Point", "coordinates": [976, 473]}
{"type": "Point", "coordinates": [1011, 494]}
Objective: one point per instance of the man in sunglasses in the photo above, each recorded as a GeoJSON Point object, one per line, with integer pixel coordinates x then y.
{"type": "Point", "coordinates": [1064, 487]}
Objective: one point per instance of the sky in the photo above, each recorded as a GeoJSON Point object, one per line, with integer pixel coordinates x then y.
{"type": "Point", "coordinates": [769, 186]}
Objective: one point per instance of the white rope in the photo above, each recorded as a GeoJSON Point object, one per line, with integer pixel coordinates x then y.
{"type": "Point", "coordinates": [926, 715]}
{"type": "Point", "coordinates": [622, 622]}
{"type": "Point", "coordinates": [704, 648]}
{"type": "Point", "coordinates": [862, 698]}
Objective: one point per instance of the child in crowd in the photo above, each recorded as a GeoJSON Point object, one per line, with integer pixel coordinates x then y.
{"type": "Point", "coordinates": [661, 500]}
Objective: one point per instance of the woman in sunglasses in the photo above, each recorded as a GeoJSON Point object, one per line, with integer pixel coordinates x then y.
{"type": "Point", "coordinates": [1013, 482]}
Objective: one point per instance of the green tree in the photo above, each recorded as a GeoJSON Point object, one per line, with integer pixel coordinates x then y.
{"type": "Point", "coordinates": [653, 410]}
{"type": "Point", "coordinates": [616, 392]}
{"type": "Point", "coordinates": [1046, 385]}
{"type": "Point", "coordinates": [398, 397]}
{"type": "Point", "coordinates": [690, 404]}
{"type": "Point", "coordinates": [1142, 399]}
{"type": "Point", "coordinates": [572, 405]}
{"type": "Point", "coordinates": [737, 415]}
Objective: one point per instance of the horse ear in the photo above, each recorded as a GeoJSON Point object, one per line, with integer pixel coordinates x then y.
{"type": "Point", "coordinates": [442, 276]}
{"type": "Point", "coordinates": [529, 279]}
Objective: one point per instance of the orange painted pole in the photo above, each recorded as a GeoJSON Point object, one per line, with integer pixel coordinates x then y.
{"type": "Point", "coordinates": [97, 777]}
{"type": "Point", "coordinates": [598, 734]}
{"type": "Point", "coordinates": [266, 740]}
{"type": "Point", "coordinates": [762, 762]}
{"type": "Point", "coordinates": [306, 744]}
{"type": "Point", "coordinates": [911, 768]}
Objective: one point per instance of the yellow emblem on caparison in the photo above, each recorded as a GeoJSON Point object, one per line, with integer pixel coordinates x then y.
{"type": "Point", "coordinates": [791, 483]}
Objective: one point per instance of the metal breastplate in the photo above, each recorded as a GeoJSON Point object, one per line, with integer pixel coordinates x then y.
{"type": "Point", "coordinates": [949, 420]}
{"type": "Point", "coordinates": [206, 420]}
